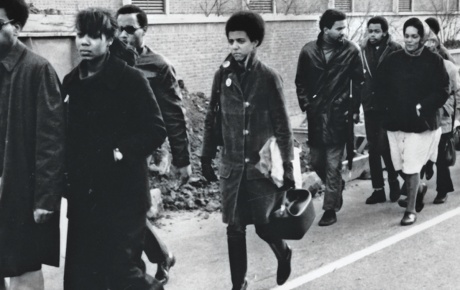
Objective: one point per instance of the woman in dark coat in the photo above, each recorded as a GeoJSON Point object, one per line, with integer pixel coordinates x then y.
{"type": "Point", "coordinates": [114, 123]}
{"type": "Point", "coordinates": [412, 85]}
{"type": "Point", "coordinates": [252, 110]}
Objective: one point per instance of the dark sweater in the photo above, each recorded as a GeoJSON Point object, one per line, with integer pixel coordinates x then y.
{"type": "Point", "coordinates": [403, 81]}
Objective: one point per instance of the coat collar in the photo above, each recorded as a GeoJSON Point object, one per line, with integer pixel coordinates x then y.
{"type": "Point", "coordinates": [231, 64]}
{"type": "Point", "coordinates": [13, 57]}
{"type": "Point", "coordinates": [110, 74]}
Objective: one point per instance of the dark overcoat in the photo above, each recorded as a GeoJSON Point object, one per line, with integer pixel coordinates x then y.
{"type": "Point", "coordinates": [32, 160]}
{"type": "Point", "coordinates": [252, 110]}
{"type": "Point", "coordinates": [323, 90]}
{"type": "Point", "coordinates": [114, 108]}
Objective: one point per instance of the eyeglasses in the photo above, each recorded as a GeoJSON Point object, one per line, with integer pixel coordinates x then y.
{"type": "Point", "coordinates": [5, 23]}
{"type": "Point", "coordinates": [129, 29]}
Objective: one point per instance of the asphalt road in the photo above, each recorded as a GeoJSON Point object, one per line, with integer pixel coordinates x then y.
{"type": "Point", "coordinates": [365, 249]}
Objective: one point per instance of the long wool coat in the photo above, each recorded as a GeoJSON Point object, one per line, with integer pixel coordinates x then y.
{"type": "Point", "coordinates": [114, 108]}
{"type": "Point", "coordinates": [32, 158]}
{"type": "Point", "coordinates": [252, 111]}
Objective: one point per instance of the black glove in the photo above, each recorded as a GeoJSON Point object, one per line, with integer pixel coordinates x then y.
{"type": "Point", "coordinates": [288, 176]}
{"type": "Point", "coordinates": [207, 170]}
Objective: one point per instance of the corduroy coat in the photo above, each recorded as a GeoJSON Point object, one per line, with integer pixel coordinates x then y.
{"type": "Point", "coordinates": [32, 161]}
{"type": "Point", "coordinates": [252, 110]}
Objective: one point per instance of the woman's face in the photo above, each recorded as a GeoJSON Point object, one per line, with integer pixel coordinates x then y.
{"type": "Point", "coordinates": [411, 38]}
{"type": "Point", "coordinates": [92, 48]}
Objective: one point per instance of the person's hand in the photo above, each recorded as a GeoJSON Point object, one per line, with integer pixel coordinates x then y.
{"type": "Point", "coordinates": [184, 173]}
{"type": "Point", "coordinates": [356, 118]}
{"type": "Point", "coordinates": [288, 176]}
{"type": "Point", "coordinates": [42, 215]}
{"type": "Point", "coordinates": [207, 170]}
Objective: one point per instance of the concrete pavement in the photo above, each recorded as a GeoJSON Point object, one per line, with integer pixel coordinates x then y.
{"type": "Point", "coordinates": [428, 259]}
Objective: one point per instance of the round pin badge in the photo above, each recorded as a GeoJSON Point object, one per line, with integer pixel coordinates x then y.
{"type": "Point", "coordinates": [226, 64]}
{"type": "Point", "coordinates": [228, 82]}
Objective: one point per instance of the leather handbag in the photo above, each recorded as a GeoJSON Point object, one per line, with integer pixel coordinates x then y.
{"type": "Point", "coordinates": [295, 217]}
{"type": "Point", "coordinates": [449, 155]}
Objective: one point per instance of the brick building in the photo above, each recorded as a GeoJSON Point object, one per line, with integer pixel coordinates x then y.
{"type": "Point", "coordinates": [190, 33]}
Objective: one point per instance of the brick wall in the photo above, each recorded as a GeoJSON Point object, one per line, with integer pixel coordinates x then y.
{"type": "Point", "coordinates": [71, 6]}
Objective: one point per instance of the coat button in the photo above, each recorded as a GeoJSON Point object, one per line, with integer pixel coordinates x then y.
{"type": "Point", "coordinates": [246, 160]}
{"type": "Point", "coordinates": [245, 132]}
{"type": "Point", "coordinates": [246, 104]}
{"type": "Point", "coordinates": [90, 191]}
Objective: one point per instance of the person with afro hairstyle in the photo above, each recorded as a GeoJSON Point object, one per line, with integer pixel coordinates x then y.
{"type": "Point", "coordinates": [325, 69]}
{"type": "Point", "coordinates": [252, 109]}
{"type": "Point", "coordinates": [114, 123]}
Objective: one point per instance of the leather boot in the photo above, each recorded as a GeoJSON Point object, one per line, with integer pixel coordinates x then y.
{"type": "Point", "coordinates": [283, 254]}
{"type": "Point", "coordinates": [238, 261]}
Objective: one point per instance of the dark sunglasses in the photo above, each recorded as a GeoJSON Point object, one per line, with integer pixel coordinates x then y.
{"type": "Point", "coordinates": [129, 29]}
{"type": "Point", "coordinates": [5, 23]}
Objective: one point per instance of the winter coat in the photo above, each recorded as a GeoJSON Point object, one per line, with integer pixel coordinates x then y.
{"type": "Point", "coordinates": [162, 78]}
{"type": "Point", "coordinates": [447, 110]}
{"type": "Point", "coordinates": [252, 110]}
{"type": "Point", "coordinates": [372, 59]}
{"type": "Point", "coordinates": [32, 152]}
{"type": "Point", "coordinates": [115, 108]}
{"type": "Point", "coordinates": [323, 90]}
{"type": "Point", "coordinates": [403, 81]}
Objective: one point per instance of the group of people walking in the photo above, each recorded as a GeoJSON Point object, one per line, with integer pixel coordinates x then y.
{"type": "Point", "coordinates": [88, 139]}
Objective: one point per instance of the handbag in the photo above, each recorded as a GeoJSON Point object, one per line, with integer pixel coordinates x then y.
{"type": "Point", "coordinates": [449, 154]}
{"type": "Point", "coordinates": [295, 217]}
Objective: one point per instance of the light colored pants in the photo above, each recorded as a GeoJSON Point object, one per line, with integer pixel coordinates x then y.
{"type": "Point", "coordinates": [27, 281]}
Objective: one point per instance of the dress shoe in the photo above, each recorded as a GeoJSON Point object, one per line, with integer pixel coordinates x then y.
{"type": "Point", "coordinates": [395, 190]}
{"type": "Point", "coordinates": [378, 196]}
{"type": "Point", "coordinates": [162, 274]}
{"type": "Point", "coordinates": [408, 218]}
{"type": "Point", "coordinates": [284, 267]}
{"type": "Point", "coordinates": [441, 197]}
{"type": "Point", "coordinates": [419, 204]}
{"type": "Point", "coordinates": [329, 217]}
{"type": "Point", "coordinates": [403, 202]}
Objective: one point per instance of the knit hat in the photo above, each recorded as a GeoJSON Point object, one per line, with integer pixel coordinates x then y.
{"type": "Point", "coordinates": [433, 24]}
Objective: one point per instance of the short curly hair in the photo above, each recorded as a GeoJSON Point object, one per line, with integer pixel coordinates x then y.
{"type": "Point", "coordinates": [329, 17]}
{"type": "Point", "coordinates": [248, 21]}
{"type": "Point", "coordinates": [96, 21]}
{"type": "Point", "coordinates": [17, 10]}
{"type": "Point", "coordinates": [140, 14]}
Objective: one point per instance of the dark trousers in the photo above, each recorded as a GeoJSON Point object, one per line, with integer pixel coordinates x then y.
{"type": "Point", "coordinates": [154, 248]}
{"type": "Point", "coordinates": [378, 148]}
{"type": "Point", "coordinates": [443, 180]}
{"type": "Point", "coordinates": [103, 256]}
{"type": "Point", "coordinates": [236, 238]}
{"type": "Point", "coordinates": [327, 163]}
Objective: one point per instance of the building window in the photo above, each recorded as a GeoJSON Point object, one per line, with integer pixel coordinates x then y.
{"type": "Point", "coordinates": [261, 6]}
{"type": "Point", "coordinates": [405, 6]}
{"type": "Point", "coordinates": [344, 5]}
{"type": "Point", "coordinates": [151, 6]}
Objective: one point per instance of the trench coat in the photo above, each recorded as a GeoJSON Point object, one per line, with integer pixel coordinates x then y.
{"type": "Point", "coordinates": [252, 110]}
{"type": "Point", "coordinates": [323, 90]}
{"type": "Point", "coordinates": [32, 160]}
{"type": "Point", "coordinates": [114, 108]}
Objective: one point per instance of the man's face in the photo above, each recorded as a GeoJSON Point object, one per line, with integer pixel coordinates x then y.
{"type": "Point", "coordinates": [337, 32]}
{"type": "Point", "coordinates": [130, 31]}
{"type": "Point", "coordinates": [8, 33]}
{"type": "Point", "coordinates": [240, 44]}
{"type": "Point", "coordinates": [375, 33]}
{"type": "Point", "coordinates": [91, 48]}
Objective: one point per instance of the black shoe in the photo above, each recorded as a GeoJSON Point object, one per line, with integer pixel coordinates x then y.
{"type": "Point", "coordinates": [284, 268]}
{"type": "Point", "coordinates": [395, 190]}
{"type": "Point", "coordinates": [243, 287]}
{"type": "Point", "coordinates": [377, 196]}
{"type": "Point", "coordinates": [403, 202]}
{"type": "Point", "coordinates": [441, 197]}
{"type": "Point", "coordinates": [329, 217]}
{"type": "Point", "coordinates": [419, 204]}
{"type": "Point", "coordinates": [408, 219]}
{"type": "Point", "coordinates": [162, 274]}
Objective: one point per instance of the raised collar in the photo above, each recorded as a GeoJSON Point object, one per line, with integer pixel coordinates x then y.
{"type": "Point", "coordinates": [231, 64]}
{"type": "Point", "coordinates": [320, 41]}
{"type": "Point", "coordinates": [13, 57]}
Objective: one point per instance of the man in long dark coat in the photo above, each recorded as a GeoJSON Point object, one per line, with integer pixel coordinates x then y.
{"type": "Point", "coordinates": [31, 155]}
{"type": "Point", "coordinates": [324, 71]}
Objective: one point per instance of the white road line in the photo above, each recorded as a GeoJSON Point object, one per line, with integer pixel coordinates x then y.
{"type": "Point", "coordinates": [326, 269]}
